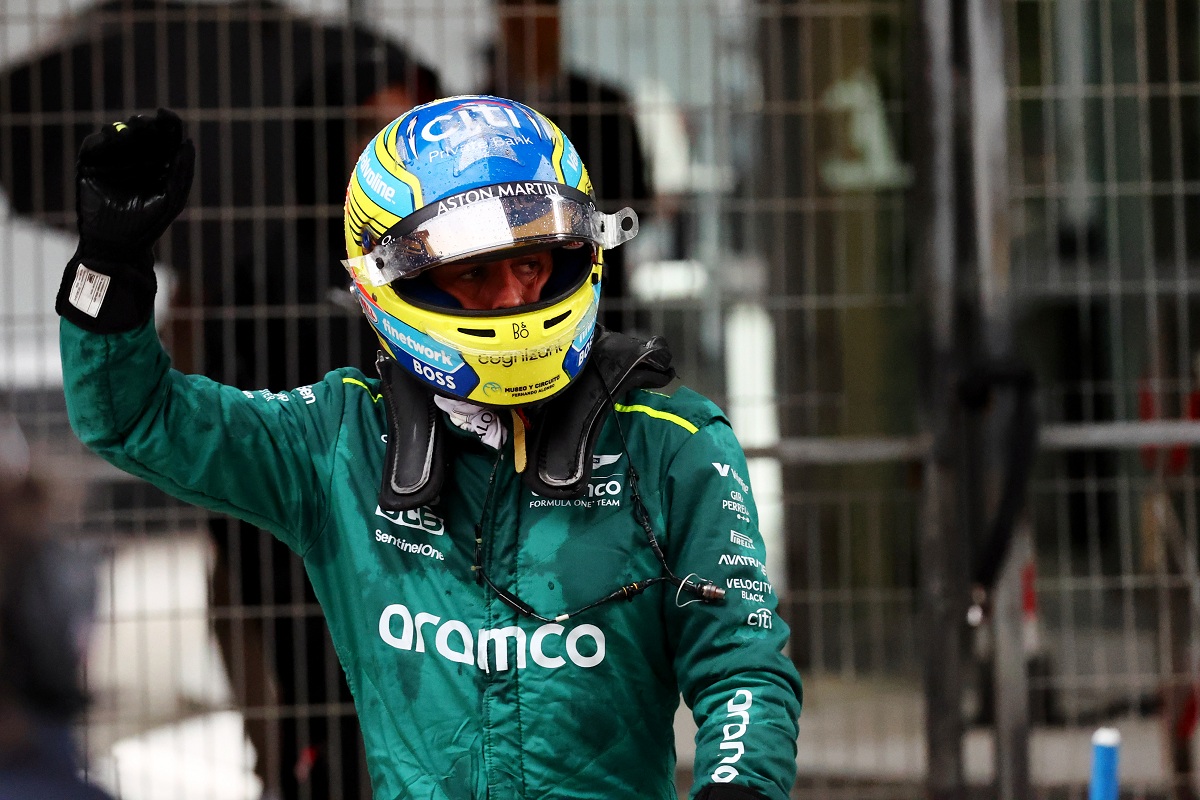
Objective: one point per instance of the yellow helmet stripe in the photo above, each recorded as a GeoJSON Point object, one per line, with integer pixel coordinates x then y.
{"type": "Point", "coordinates": [354, 206]}
{"type": "Point", "coordinates": [556, 156]}
{"type": "Point", "coordinates": [363, 210]}
{"type": "Point", "coordinates": [385, 151]}
{"type": "Point", "coordinates": [359, 216]}
{"type": "Point", "coordinates": [585, 182]}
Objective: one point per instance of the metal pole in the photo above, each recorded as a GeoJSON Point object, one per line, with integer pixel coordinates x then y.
{"type": "Point", "coordinates": [989, 159]}
{"type": "Point", "coordinates": [942, 589]}
{"type": "Point", "coordinates": [1010, 668]}
{"type": "Point", "coordinates": [990, 196]}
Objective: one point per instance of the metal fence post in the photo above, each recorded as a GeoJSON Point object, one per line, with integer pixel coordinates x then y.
{"type": "Point", "coordinates": [935, 251]}
{"type": "Point", "coordinates": [988, 128]}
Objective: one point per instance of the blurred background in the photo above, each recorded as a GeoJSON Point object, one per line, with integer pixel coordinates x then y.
{"type": "Point", "coordinates": [934, 258]}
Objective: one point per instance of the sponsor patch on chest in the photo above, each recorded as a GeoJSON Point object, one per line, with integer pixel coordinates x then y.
{"type": "Point", "coordinates": [603, 490]}
{"type": "Point", "coordinates": [420, 524]}
{"type": "Point", "coordinates": [421, 519]}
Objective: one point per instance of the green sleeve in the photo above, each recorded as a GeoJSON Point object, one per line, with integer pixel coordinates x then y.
{"type": "Point", "coordinates": [259, 456]}
{"type": "Point", "coordinates": [744, 693]}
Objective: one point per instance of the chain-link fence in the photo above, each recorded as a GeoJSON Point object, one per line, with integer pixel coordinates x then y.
{"type": "Point", "coordinates": [1103, 107]}
{"type": "Point", "coordinates": [784, 158]}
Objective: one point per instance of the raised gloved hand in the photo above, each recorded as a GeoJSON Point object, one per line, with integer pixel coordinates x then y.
{"type": "Point", "coordinates": [132, 179]}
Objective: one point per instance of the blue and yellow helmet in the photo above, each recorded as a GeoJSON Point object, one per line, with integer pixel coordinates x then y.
{"type": "Point", "coordinates": [466, 178]}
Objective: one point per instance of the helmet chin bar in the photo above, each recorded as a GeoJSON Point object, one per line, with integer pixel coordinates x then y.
{"type": "Point", "coordinates": [500, 360]}
{"type": "Point", "coordinates": [487, 329]}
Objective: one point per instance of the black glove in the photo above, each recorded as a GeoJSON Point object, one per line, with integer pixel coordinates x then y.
{"type": "Point", "coordinates": [728, 791]}
{"type": "Point", "coordinates": [132, 179]}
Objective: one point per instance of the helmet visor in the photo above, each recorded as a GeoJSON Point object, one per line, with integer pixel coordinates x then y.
{"type": "Point", "coordinates": [490, 219]}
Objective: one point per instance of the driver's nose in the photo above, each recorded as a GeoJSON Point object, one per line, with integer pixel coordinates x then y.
{"type": "Point", "coordinates": [506, 290]}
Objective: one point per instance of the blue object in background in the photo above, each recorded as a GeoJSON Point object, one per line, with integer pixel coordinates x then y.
{"type": "Point", "coordinates": [1106, 749]}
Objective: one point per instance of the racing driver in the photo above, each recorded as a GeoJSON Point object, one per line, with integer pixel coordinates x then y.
{"type": "Point", "coordinates": [524, 554]}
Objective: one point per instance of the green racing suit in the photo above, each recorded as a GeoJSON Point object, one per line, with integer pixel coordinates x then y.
{"type": "Point", "coordinates": [458, 696]}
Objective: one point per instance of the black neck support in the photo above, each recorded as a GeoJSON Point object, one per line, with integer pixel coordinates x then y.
{"type": "Point", "coordinates": [560, 438]}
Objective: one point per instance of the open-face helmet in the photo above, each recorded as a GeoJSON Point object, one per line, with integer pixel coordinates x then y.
{"type": "Point", "coordinates": [478, 178]}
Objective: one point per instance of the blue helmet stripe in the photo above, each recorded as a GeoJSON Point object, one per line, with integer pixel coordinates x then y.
{"type": "Point", "coordinates": [572, 164]}
{"type": "Point", "coordinates": [375, 181]}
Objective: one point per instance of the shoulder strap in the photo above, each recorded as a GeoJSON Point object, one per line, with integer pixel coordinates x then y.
{"type": "Point", "coordinates": [414, 461]}
{"type": "Point", "coordinates": [563, 434]}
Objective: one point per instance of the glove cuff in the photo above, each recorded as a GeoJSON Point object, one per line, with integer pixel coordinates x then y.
{"type": "Point", "coordinates": [103, 295]}
{"type": "Point", "coordinates": [729, 791]}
